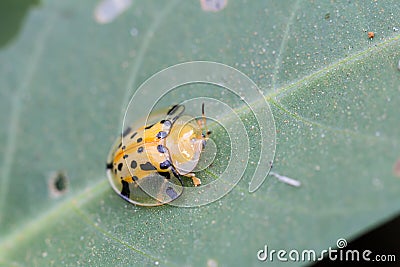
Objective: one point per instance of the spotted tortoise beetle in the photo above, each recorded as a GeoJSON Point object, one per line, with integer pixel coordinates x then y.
{"type": "Point", "coordinates": [145, 165]}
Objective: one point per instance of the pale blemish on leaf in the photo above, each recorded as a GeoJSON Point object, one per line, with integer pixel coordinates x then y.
{"type": "Point", "coordinates": [107, 10]}
{"type": "Point", "coordinates": [213, 5]}
{"type": "Point", "coordinates": [396, 168]}
{"type": "Point", "coordinates": [212, 263]}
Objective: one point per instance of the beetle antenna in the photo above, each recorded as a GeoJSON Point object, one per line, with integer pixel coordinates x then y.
{"type": "Point", "coordinates": [204, 121]}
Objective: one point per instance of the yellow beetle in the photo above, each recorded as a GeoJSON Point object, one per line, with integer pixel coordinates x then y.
{"type": "Point", "coordinates": [145, 165]}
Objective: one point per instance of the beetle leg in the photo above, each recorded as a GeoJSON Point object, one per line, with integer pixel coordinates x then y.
{"type": "Point", "coordinates": [196, 181]}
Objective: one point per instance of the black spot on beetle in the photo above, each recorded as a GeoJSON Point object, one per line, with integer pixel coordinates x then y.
{"type": "Point", "coordinates": [148, 127]}
{"type": "Point", "coordinates": [133, 135]}
{"type": "Point", "coordinates": [127, 131]}
{"type": "Point", "coordinates": [140, 149]}
{"type": "Point", "coordinates": [133, 164]}
{"type": "Point", "coordinates": [147, 167]}
{"type": "Point", "coordinates": [120, 166]}
{"type": "Point", "coordinates": [135, 178]}
{"type": "Point", "coordinates": [171, 193]}
{"type": "Point", "coordinates": [162, 121]}
{"type": "Point", "coordinates": [140, 139]}
{"type": "Point", "coordinates": [161, 149]}
{"type": "Point", "coordinates": [165, 164]}
{"type": "Point", "coordinates": [161, 135]}
{"type": "Point", "coordinates": [125, 189]}
{"type": "Point", "coordinates": [123, 147]}
{"type": "Point", "coordinates": [125, 156]}
{"type": "Point", "coordinates": [120, 144]}
{"type": "Point", "coordinates": [109, 165]}
{"type": "Point", "coordinates": [167, 175]}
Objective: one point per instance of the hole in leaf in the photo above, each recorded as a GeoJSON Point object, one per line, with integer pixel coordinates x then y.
{"type": "Point", "coordinates": [58, 184]}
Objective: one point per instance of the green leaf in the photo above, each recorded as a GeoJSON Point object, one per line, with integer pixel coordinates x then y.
{"type": "Point", "coordinates": [66, 80]}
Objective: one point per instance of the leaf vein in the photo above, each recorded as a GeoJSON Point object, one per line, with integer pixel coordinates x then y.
{"type": "Point", "coordinates": [278, 60]}
{"type": "Point", "coordinates": [293, 86]}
